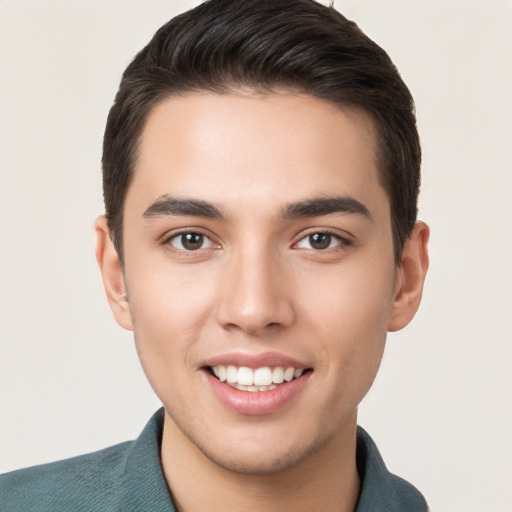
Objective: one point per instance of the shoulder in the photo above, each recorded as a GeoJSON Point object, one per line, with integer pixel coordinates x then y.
{"type": "Point", "coordinates": [70, 484]}
{"type": "Point", "coordinates": [123, 478]}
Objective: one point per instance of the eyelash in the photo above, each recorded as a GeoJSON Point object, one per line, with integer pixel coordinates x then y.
{"type": "Point", "coordinates": [167, 241]}
{"type": "Point", "coordinates": [341, 242]}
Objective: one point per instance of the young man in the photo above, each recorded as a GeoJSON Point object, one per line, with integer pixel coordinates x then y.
{"type": "Point", "coordinates": [261, 172]}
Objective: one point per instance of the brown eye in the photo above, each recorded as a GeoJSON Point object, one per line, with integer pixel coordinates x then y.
{"type": "Point", "coordinates": [321, 241]}
{"type": "Point", "coordinates": [190, 241]}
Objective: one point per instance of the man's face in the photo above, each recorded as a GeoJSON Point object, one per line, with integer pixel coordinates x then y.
{"type": "Point", "coordinates": [257, 235]}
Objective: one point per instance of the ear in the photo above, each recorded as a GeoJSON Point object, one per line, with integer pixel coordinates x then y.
{"type": "Point", "coordinates": [112, 274]}
{"type": "Point", "coordinates": [410, 276]}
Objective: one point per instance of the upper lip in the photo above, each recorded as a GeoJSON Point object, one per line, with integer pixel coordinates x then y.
{"type": "Point", "coordinates": [255, 360]}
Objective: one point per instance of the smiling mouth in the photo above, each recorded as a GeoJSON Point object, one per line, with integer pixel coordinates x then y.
{"type": "Point", "coordinates": [265, 378]}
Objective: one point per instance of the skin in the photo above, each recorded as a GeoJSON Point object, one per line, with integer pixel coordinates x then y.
{"type": "Point", "coordinates": [257, 285]}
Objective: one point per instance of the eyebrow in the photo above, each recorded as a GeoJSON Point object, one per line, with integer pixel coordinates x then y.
{"type": "Point", "coordinates": [166, 205]}
{"type": "Point", "coordinates": [317, 207]}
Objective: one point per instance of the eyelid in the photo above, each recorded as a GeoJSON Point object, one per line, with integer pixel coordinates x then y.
{"type": "Point", "coordinates": [344, 241]}
{"type": "Point", "coordinates": [166, 240]}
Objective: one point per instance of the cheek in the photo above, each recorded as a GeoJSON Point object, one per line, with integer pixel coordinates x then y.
{"type": "Point", "coordinates": [349, 310]}
{"type": "Point", "coordinates": [359, 294]}
{"type": "Point", "coordinates": [169, 309]}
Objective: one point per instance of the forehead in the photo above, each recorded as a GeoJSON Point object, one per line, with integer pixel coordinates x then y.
{"type": "Point", "coordinates": [247, 146]}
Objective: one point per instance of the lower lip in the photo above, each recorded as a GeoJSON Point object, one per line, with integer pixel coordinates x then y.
{"type": "Point", "coordinates": [256, 403]}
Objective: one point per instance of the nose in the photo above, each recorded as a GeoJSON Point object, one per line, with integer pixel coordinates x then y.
{"type": "Point", "coordinates": [256, 294]}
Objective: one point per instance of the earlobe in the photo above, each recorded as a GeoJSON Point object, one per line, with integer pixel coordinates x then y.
{"type": "Point", "coordinates": [112, 274]}
{"type": "Point", "coordinates": [410, 278]}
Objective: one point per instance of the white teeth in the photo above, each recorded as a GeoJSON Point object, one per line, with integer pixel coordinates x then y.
{"type": "Point", "coordinates": [260, 379]}
{"type": "Point", "coordinates": [231, 373]}
{"type": "Point", "coordinates": [221, 373]}
{"type": "Point", "coordinates": [278, 375]}
{"type": "Point", "coordinates": [288, 374]}
{"type": "Point", "coordinates": [245, 376]}
{"type": "Point", "coordinates": [241, 387]}
{"type": "Point", "coordinates": [263, 376]}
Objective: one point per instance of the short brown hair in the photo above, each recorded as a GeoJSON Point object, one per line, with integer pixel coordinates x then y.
{"type": "Point", "coordinates": [267, 44]}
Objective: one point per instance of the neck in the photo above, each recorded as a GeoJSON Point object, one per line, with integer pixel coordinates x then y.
{"type": "Point", "coordinates": [326, 480]}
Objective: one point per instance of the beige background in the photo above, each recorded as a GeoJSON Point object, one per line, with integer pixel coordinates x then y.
{"type": "Point", "coordinates": [441, 408]}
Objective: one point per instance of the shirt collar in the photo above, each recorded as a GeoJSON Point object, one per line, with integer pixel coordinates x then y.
{"type": "Point", "coordinates": [142, 471]}
{"type": "Point", "coordinates": [381, 491]}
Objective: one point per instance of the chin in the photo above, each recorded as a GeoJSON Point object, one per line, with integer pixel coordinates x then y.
{"type": "Point", "coordinates": [256, 464]}
{"type": "Point", "coordinates": [262, 451]}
